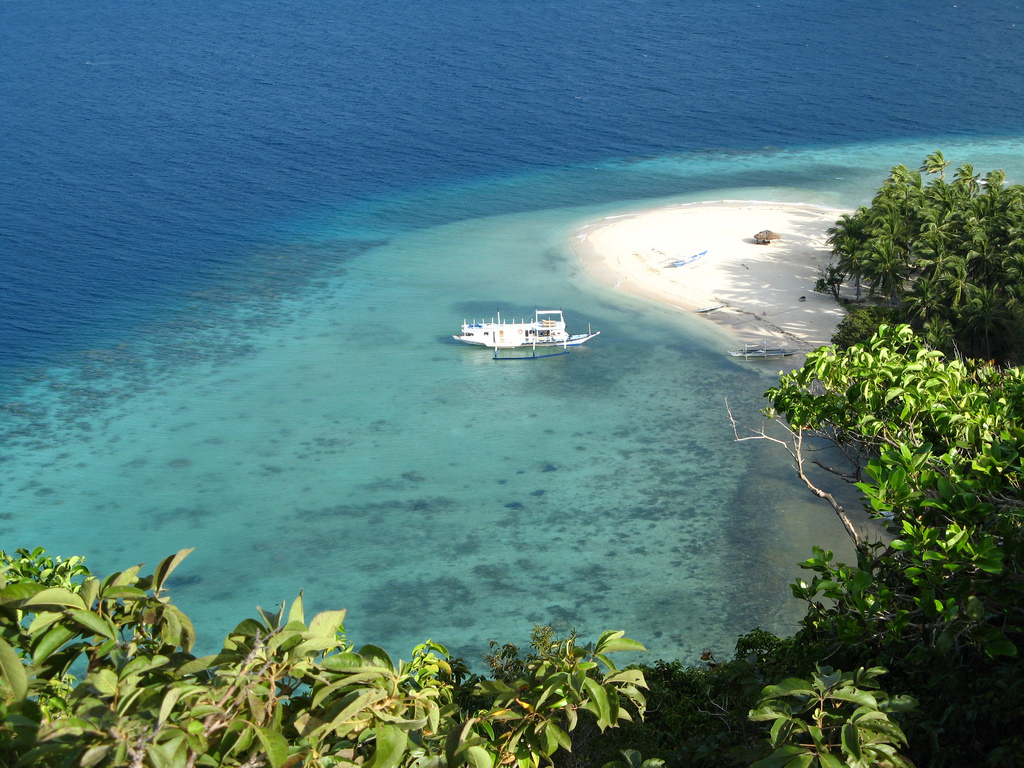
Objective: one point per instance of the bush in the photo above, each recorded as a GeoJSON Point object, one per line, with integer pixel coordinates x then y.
{"type": "Point", "coordinates": [861, 324]}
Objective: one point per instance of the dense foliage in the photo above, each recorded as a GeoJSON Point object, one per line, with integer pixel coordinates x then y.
{"type": "Point", "coordinates": [282, 693]}
{"type": "Point", "coordinates": [941, 605]}
{"type": "Point", "coordinates": [279, 693]}
{"type": "Point", "coordinates": [860, 324]}
{"type": "Point", "coordinates": [947, 255]}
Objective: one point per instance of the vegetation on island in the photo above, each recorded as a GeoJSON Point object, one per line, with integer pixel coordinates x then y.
{"type": "Point", "coordinates": [946, 257]}
{"type": "Point", "coordinates": [280, 692]}
{"type": "Point", "coordinates": [909, 656]}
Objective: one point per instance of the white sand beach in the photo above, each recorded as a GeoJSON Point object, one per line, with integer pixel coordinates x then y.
{"type": "Point", "coordinates": [766, 291]}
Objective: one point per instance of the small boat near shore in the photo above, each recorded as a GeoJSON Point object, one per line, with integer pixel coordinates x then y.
{"type": "Point", "coordinates": [712, 308]}
{"type": "Point", "coordinates": [687, 260]}
{"type": "Point", "coordinates": [761, 352]}
{"type": "Point", "coordinates": [545, 331]}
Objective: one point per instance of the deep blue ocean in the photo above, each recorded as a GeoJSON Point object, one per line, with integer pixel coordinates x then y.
{"type": "Point", "coordinates": [234, 237]}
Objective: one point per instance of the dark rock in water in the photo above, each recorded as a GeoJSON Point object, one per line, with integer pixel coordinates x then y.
{"type": "Point", "coordinates": [502, 482]}
{"type": "Point", "coordinates": [538, 492]}
{"type": "Point", "coordinates": [520, 471]}
{"type": "Point", "coordinates": [549, 468]}
{"type": "Point", "coordinates": [183, 581]}
{"type": "Point", "coordinates": [514, 505]}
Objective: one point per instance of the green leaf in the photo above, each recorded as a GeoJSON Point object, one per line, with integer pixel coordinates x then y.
{"type": "Point", "coordinates": [122, 592]}
{"type": "Point", "coordinates": [195, 666]}
{"type": "Point", "coordinates": [791, 686]}
{"type": "Point", "coordinates": [94, 755]}
{"type": "Point", "coordinates": [185, 631]}
{"type": "Point", "coordinates": [54, 639]}
{"type": "Point", "coordinates": [784, 757]}
{"type": "Point", "coordinates": [342, 662]}
{"type": "Point", "coordinates": [975, 610]}
{"type": "Point", "coordinates": [391, 745]}
{"type": "Point", "coordinates": [172, 697]}
{"type": "Point", "coordinates": [348, 706]}
{"type": "Point", "coordinates": [13, 671]}
{"type": "Point", "coordinates": [492, 688]}
{"type": "Point", "coordinates": [104, 681]}
{"type": "Point", "coordinates": [1000, 647]}
{"type": "Point", "coordinates": [128, 576]}
{"type": "Point", "coordinates": [90, 591]}
{"type": "Point", "coordinates": [455, 739]}
{"type": "Point", "coordinates": [780, 731]}
{"type": "Point", "coordinates": [326, 623]}
{"type": "Point", "coordinates": [377, 657]}
{"type": "Point", "coordinates": [612, 641]}
{"type": "Point", "coordinates": [54, 596]}
{"type": "Point", "coordinates": [478, 757]}
{"type": "Point", "coordinates": [93, 623]}
{"type": "Point", "coordinates": [561, 736]}
{"type": "Point", "coordinates": [295, 612]}
{"type": "Point", "coordinates": [274, 744]}
{"type": "Point", "coordinates": [166, 567]}
{"type": "Point", "coordinates": [599, 703]}
{"type": "Point", "coordinates": [15, 593]}
{"type": "Point", "coordinates": [851, 741]}
{"type": "Point", "coordinates": [627, 676]}
{"type": "Point", "coordinates": [862, 698]}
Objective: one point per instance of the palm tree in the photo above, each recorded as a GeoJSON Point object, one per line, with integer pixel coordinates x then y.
{"type": "Point", "coordinates": [984, 314]}
{"type": "Point", "coordinates": [935, 163]}
{"type": "Point", "coordinates": [893, 224]}
{"type": "Point", "coordinates": [957, 280]}
{"type": "Point", "coordinates": [967, 178]}
{"type": "Point", "coordinates": [849, 238]}
{"type": "Point", "coordinates": [938, 334]}
{"type": "Point", "coordinates": [925, 301]}
{"type": "Point", "coordinates": [1012, 269]}
{"type": "Point", "coordinates": [885, 269]}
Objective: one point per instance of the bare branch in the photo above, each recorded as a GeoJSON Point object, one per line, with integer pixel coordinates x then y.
{"type": "Point", "coordinates": [795, 449]}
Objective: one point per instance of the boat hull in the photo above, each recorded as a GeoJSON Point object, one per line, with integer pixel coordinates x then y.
{"type": "Point", "coordinates": [544, 330]}
{"type": "Point", "coordinates": [762, 354]}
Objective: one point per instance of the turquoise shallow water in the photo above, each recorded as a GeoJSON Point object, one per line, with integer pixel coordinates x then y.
{"type": "Point", "coordinates": [318, 429]}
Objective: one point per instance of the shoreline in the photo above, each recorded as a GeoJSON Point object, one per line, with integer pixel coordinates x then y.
{"type": "Point", "coordinates": [766, 292]}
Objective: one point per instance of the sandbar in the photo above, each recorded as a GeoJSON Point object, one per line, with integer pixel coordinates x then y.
{"type": "Point", "coordinates": [765, 293]}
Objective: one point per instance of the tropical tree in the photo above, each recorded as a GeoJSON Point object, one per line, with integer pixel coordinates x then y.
{"type": "Point", "coordinates": [886, 269]}
{"type": "Point", "coordinates": [935, 163]}
{"type": "Point", "coordinates": [834, 719]}
{"type": "Point", "coordinates": [956, 278]}
{"type": "Point", "coordinates": [849, 238]}
{"type": "Point", "coordinates": [281, 692]}
{"type": "Point", "coordinates": [926, 300]}
{"type": "Point", "coordinates": [932, 250]}
{"type": "Point", "coordinates": [939, 605]}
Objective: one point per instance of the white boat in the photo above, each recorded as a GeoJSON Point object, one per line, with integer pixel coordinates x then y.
{"type": "Point", "coordinates": [760, 352]}
{"type": "Point", "coordinates": [546, 329]}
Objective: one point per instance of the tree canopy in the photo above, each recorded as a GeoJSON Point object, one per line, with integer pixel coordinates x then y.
{"type": "Point", "coordinates": [281, 692]}
{"type": "Point", "coordinates": [947, 255]}
{"type": "Point", "coordinates": [941, 606]}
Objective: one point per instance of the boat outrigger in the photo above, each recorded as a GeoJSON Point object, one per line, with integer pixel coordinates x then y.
{"type": "Point", "coordinates": [545, 330]}
{"type": "Point", "coordinates": [760, 352]}
{"type": "Point", "coordinates": [687, 260]}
